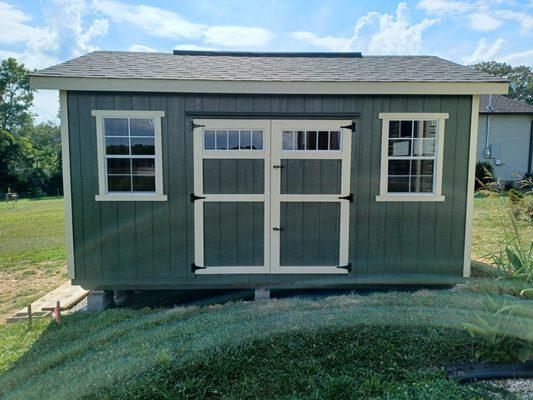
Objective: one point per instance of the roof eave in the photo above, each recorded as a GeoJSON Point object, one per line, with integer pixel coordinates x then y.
{"type": "Point", "coordinates": [264, 87]}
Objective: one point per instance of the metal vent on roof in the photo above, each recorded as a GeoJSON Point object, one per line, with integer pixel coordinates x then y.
{"type": "Point", "coordinates": [267, 54]}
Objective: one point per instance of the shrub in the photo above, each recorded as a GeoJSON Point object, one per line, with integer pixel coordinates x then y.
{"type": "Point", "coordinates": [515, 197]}
{"type": "Point", "coordinates": [484, 174]}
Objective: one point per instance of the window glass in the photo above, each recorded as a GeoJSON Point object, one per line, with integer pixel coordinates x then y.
{"type": "Point", "coordinates": [412, 156]}
{"type": "Point", "coordinates": [233, 139]}
{"type": "Point", "coordinates": [257, 140]}
{"type": "Point", "coordinates": [300, 142]}
{"type": "Point", "coordinates": [130, 154]}
{"type": "Point", "coordinates": [323, 140]}
{"type": "Point", "coordinates": [334, 140]}
{"type": "Point", "coordinates": [209, 140]}
{"type": "Point", "coordinates": [310, 140]}
{"type": "Point", "coordinates": [246, 140]}
{"type": "Point", "coordinates": [222, 140]}
{"type": "Point", "coordinates": [287, 140]}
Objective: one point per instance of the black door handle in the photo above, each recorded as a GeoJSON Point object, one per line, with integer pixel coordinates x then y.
{"type": "Point", "coordinates": [277, 229]}
{"type": "Point", "coordinates": [277, 166]}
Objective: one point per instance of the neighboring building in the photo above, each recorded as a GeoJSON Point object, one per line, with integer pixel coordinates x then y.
{"type": "Point", "coordinates": [505, 137]}
{"type": "Point", "coordinates": [267, 170]}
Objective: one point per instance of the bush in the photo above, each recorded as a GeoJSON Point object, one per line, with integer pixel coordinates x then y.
{"type": "Point", "coordinates": [484, 174]}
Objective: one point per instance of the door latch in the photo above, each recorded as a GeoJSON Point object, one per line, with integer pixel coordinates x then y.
{"type": "Point", "coordinates": [277, 229]}
{"type": "Point", "coordinates": [277, 166]}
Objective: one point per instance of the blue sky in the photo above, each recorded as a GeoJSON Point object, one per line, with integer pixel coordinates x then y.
{"type": "Point", "coordinates": [45, 32]}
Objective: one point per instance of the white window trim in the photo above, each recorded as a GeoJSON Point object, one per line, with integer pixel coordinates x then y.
{"type": "Point", "coordinates": [100, 142]}
{"type": "Point", "coordinates": [383, 192]}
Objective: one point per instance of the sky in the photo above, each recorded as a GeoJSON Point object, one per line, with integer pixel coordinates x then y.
{"type": "Point", "coordinates": [41, 33]}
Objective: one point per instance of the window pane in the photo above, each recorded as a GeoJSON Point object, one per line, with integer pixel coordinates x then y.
{"type": "Point", "coordinates": [141, 127]}
{"type": "Point", "coordinates": [144, 146]}
{"type": "Point", "coordinates": [430, 129]}
{"type": "Point", "coordinates": [119, 183]}
{"type": "Point", "coordinates": [209, 140]}
{"type": "Point", "coordinates": [311, 140]}
{"type": "Point", "coordinates": [406, 129]}
{"type": "Point", "coordinates": [246, 140]}
{"type": "Point", "coordinates": [233, 140]}
{"type": "Point", "coordinates": [323, 138]}
{"type": "Point", "coordinates": [394, 129]}
{"type": "Point", "coordinates": [287, 141]}
{"type": "Point", "coordinates": [399, 167]}
{"type": "Point", "coordinates": [300, 141]}
{"type": "Point", "coordinates": [117, 145]}
{"type": "Point", "coordinates": [143, 166]}
{"type": "Point", "coordinates": [118, 166]}
{"type": "Point", "coordinates": [116, 126]}
{"type": "Point", "coordinates": [400, 147]}
{"type": "Point", "coordinates": [398, 184]}
{"type": "Point", "coordinates": [422, 184]}
{"type": "Point", "coordinates": [257, 140]}
{"type": "Point", "coordinates": [144, 183]}
{"type": "Point", "coordinates": [334, 140]}
{"type": "Point", "coordinates": [424, 147]}
{"type": "Point", "coordinates": [422, 167]}
{"type": "Point", "coordinates": [222, 140]}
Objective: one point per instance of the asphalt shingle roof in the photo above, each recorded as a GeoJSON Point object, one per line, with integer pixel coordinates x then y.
{"type": "Point", "coordinates": [265, 67]}
{"type": "Point", "coordinates": [503, 105]}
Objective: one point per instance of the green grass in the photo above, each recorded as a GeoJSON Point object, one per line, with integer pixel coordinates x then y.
{"type": "Point", "coordinates": [32, 251]}
{"type": "Point", "coordinates": [32, 232]}
{"type": "Point", "coordinates": [382, 346]}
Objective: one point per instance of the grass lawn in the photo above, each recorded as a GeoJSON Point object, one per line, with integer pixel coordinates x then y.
{"type": "Point", "coordinates": [32, 251]}
{"type": "Point", "coordinates": [381, 346]}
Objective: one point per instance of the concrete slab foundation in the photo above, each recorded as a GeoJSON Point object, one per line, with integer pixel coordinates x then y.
{"type": "Point", "coordinates": [262, 294]}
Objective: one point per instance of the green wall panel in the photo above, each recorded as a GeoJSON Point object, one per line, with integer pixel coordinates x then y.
{"type": "Point", "coordinates": [227, 176]}
{"type": "Point", "coordinates": [151, 243]}
{"type": "Point", "coordinates": [310, 176]}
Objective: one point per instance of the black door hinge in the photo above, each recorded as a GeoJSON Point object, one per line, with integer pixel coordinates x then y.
{"type": "Point", "coordinates": [194, 126]}
{"type": "Point", "coordinates": [347, 267]}
{"type": "Point", "coordinates": [349, 197]}
{"type": "Point", "coordinates": [351, 126]}
{"type": "Point", "coordinates": [194, 197]}
{"type": "Point", "coordinates": [195, 267]}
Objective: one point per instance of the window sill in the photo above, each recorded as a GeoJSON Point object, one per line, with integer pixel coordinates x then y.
{"type": "Point", "coordinates": [130, 197]}
{"type": "Point", "coordinates": [407, 197]}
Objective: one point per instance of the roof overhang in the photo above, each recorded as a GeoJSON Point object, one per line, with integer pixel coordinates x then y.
{"type": "Point", "coordinates": [265, 87]}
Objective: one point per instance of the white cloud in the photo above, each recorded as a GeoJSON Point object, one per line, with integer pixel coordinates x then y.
{"type": "Point", "coordinates": [156, 21]}
{"type": "Point", "coordinates": [46, 105]}
{"type": "Point", "coordinates": [193, 47]}
{"type": "Point", "coordinates": [236, 36]}
{"type": "Point", "coordinates": [159, 22]}
{"type": "Point", "coordinates": [377, 34]}
{"type": "Point", "coordinates": [141, 48]}
{"type": "Point", "coordinates": [98, 28]}
{"type": "Point", "coordinates": [444, 7]}
{"type": "Point", "coordinates": [525, 20]}
{"type": "Point", "coordinates": [485, 51]}
{"type": "Point", "coordinates": [14, 28]}
{"type": "Point", "coordinates": [328, 42]}
{"type": "Point", "coordinates": [520, 58]}
{"type": "Point", "coordinates": [483, 22]}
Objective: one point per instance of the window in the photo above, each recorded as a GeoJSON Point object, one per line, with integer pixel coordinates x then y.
{"type": "Point", "coordinates": [411, 165]}
{"type": "Point", "coordinates": [233, 139]}
{"type": "Point", "coordinates": [129, 155]}
{"type": "Point", "coordinates": [310, 140]}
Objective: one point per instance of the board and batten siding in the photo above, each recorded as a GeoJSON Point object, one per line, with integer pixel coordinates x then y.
{"type": "Point", "coordinates": [511, 134]}
{"type": "Point", "coordinates": [151, 244]}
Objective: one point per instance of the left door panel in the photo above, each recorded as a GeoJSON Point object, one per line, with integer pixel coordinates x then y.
{"type": "Point", "coordinates": [231, 196]}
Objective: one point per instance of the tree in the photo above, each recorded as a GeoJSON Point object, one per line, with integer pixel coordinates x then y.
{"type": "Point", "coordinates": [16, 97]}
{"type": "Point", "coordinates": [521, 77]}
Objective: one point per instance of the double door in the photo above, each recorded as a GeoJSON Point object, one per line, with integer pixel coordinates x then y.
{"type": "Point", "coordinates": [271, 196]}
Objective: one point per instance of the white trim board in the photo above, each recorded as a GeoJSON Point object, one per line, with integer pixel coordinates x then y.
{"type": "Point", "coordinates": [474, 118]}
{"type": "Point", "coordinates": [67, 192]}
{"type": "Point", "coordinates": [265, 87]}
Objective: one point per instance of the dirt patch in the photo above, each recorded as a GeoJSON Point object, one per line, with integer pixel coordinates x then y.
{"type": "Point", "coordinates": [23, 286]}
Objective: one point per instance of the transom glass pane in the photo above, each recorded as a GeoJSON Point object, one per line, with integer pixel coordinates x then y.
{"type": "Point", "coordinates": [233, 139]}
{"type": "Point", "coordinates": [310, 140]}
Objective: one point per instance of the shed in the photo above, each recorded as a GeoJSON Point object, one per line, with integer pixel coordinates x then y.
{"type": "Point", "coordinates": [271, 170]}
{"type": "Point", "coordinates": [505, 138]}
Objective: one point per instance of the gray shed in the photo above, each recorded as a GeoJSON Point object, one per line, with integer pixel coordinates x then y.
{"type": "Point", "coordinates": [505, 137]}
{"type": "Point", "coordinates": [273, 170]}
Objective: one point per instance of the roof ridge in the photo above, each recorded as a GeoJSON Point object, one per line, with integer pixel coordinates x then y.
{"type": "Point", "coordinates": [267, 54]}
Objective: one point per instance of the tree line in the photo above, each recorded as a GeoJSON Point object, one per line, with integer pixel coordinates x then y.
{"type": "Point", "coordinates": [30, 153]}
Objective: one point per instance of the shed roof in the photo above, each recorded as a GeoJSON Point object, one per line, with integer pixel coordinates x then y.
{"type": "Point", "coordinates": [503, 105]}
{"type": "Point", "coordinates": [265, 67]}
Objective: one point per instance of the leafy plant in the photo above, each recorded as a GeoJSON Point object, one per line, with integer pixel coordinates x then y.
{"type": "Point", "coordinates": [505, 329]}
